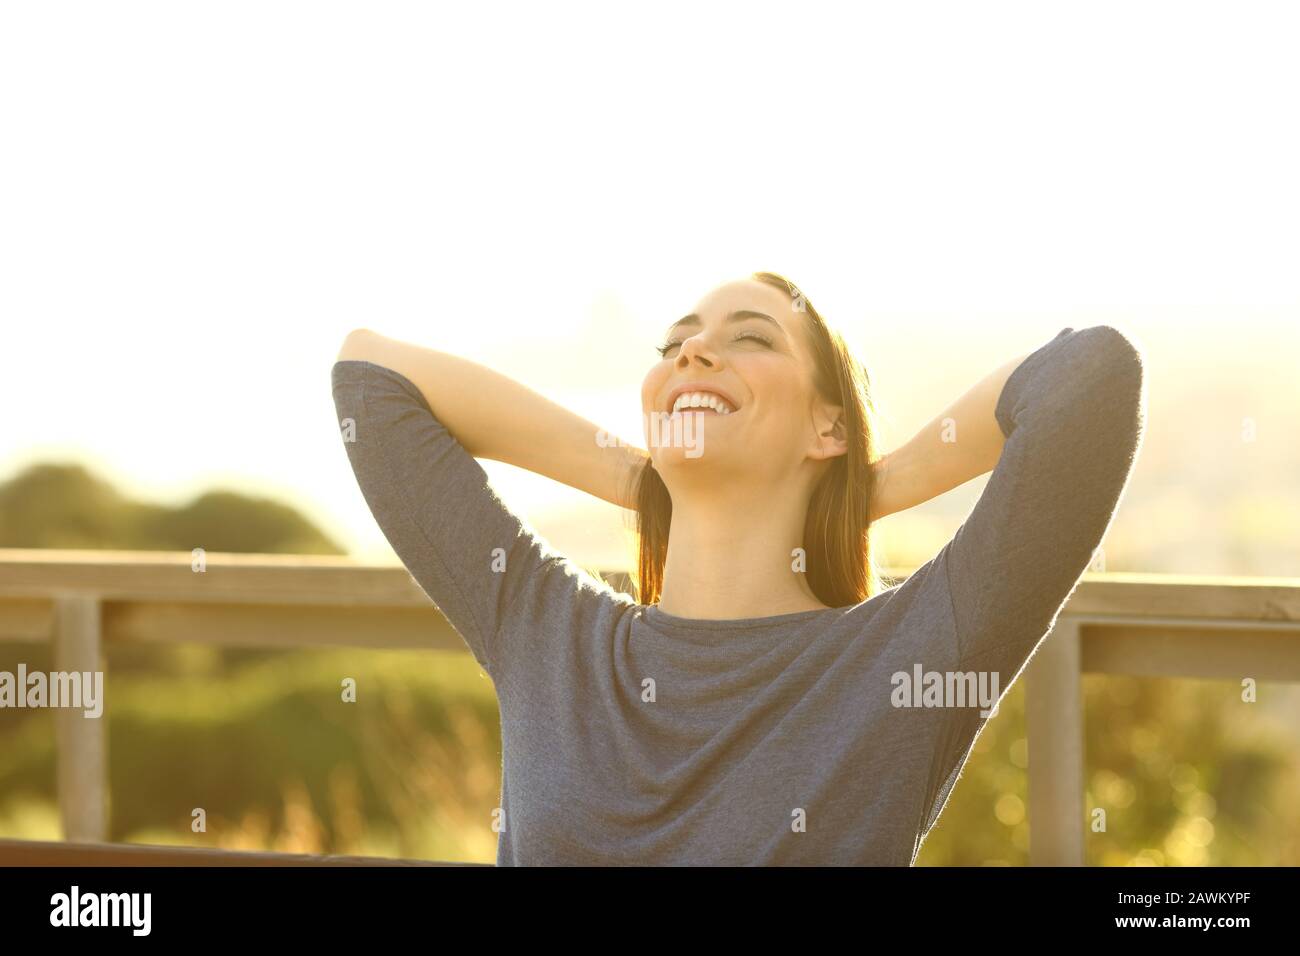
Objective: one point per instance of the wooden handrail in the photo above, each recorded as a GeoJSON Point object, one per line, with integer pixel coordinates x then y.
{"type": "Point", "coordinates": [41, 853]}
{"type": "Point", "coordinates": [1119, 623]}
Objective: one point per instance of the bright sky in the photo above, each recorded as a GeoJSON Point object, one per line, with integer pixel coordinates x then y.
{"type": "Point", "coordinates": [199, 201]}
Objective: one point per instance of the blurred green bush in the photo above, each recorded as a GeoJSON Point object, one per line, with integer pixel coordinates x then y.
{"type": "Point", "coordinates": [263, 742]}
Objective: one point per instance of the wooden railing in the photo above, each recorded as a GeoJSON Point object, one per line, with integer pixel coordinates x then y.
{"type": "Point", "coordinates": [39, 853]}
{"type": "Point", "coordinates": [1137, 624]}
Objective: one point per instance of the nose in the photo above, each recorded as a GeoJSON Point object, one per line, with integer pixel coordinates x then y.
{"type": "Point", "coordinates": [695, 351]}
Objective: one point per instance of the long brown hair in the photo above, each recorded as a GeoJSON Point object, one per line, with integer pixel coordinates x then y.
{"type": "Point", "coordinates": [837, 538]}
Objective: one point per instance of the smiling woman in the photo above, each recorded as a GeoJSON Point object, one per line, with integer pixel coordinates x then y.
{"type": "Point", "coordinates": [801, 455]}
{"type": "Point", "coordinates": [741, 710]}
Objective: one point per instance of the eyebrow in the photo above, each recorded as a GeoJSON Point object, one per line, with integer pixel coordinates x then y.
{"type": "Point", "coordinates": [739, 315]}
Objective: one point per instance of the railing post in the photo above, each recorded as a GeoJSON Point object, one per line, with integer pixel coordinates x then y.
{"type": "Point", "coordinates": [1054, 721]}
{"type": "Point", "coordinates": [82, 766]}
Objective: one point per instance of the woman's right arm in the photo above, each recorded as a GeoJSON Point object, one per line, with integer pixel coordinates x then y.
{"type": "Point", "coordinates": [495, 417]}
{"type": "Point", "coordinates": [934, 461]}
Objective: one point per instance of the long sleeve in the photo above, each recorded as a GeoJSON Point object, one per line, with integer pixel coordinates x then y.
{"type": "Point", "coordinates": [1073, 413]}
{"type": "Point", "coordinates": [468, 552]}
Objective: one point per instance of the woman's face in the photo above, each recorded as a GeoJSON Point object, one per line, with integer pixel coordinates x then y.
{"type": "Point", "coordinates": [744, 350]}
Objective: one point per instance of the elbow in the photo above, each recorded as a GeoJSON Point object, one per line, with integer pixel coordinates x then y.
{"type": "Point", "coordinates": [1121, 376]}
{"type": "Point", "coordinates": [1119, 356]}
{"type": "Point", "coordinates": [357, 345]}
{"type": "Point", "coordinates": [1119, 345]}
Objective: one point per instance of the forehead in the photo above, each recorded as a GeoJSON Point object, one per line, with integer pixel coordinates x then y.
{"type": "Point", "coordinates": [746, 293]}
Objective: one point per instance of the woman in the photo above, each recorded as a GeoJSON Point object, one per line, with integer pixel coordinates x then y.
{"type": "Point", "coordinates": [750, 707]}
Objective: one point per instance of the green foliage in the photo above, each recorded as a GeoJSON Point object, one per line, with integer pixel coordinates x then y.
{"type": "Point", "coordinates": [277, 759]}
{"type": "Point", "coordinates": [263, 742]}
{"type": "Point", "coordinates": [65, 506]}
{"type": "Point", "coordinates": [1187, 773]}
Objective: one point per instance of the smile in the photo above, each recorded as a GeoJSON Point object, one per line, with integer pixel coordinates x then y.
{"type": "Point", "coordinates": [702, 401]}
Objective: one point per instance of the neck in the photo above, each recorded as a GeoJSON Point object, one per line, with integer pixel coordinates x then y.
{"type": "Point", "coordinates": [730, 556]}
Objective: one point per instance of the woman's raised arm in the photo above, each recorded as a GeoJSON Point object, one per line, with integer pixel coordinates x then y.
{"type": "Point", "coordinates": [963, 442]}
{"type": "Point", "coordinates": [495, 417]}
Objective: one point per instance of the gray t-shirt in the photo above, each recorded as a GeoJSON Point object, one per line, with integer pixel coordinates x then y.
{"type": "Point", "coordinates": [631, 736]}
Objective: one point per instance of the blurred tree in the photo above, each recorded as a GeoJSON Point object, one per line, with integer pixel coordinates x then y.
{"type": "Point", "coordinates": [65, 506]}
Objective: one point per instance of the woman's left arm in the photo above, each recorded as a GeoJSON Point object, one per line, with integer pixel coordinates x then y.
{"type": "Point", "coordinates": [962, 442]}
{"type": "Point", "coordinates": [1073, 416]}
{"type": "Point", "coordinates": [1069, 418]}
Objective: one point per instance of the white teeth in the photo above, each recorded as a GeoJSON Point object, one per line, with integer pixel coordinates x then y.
{"type": "Point", "coordinates": [701, 400]}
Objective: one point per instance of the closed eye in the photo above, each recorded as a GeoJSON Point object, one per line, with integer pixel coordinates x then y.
{"type": "Point", "coordinates": [664, 349]}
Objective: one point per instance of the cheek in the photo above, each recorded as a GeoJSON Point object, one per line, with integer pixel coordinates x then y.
{"type": "Point", "coordinates": [651, 386]}
{"type": "Point", "coordinates": [781, 397]}
{"type": "Point", "coordinates": [779, 423]}
{"type": "Point", "coordinates": [784, 412]}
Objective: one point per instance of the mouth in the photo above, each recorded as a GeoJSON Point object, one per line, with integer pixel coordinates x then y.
{"type": "Point", "coordinates": [708, 402]}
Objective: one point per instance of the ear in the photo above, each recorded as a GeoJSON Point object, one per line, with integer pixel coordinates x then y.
{"type": "Point", "coordinates": [831, 438]}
